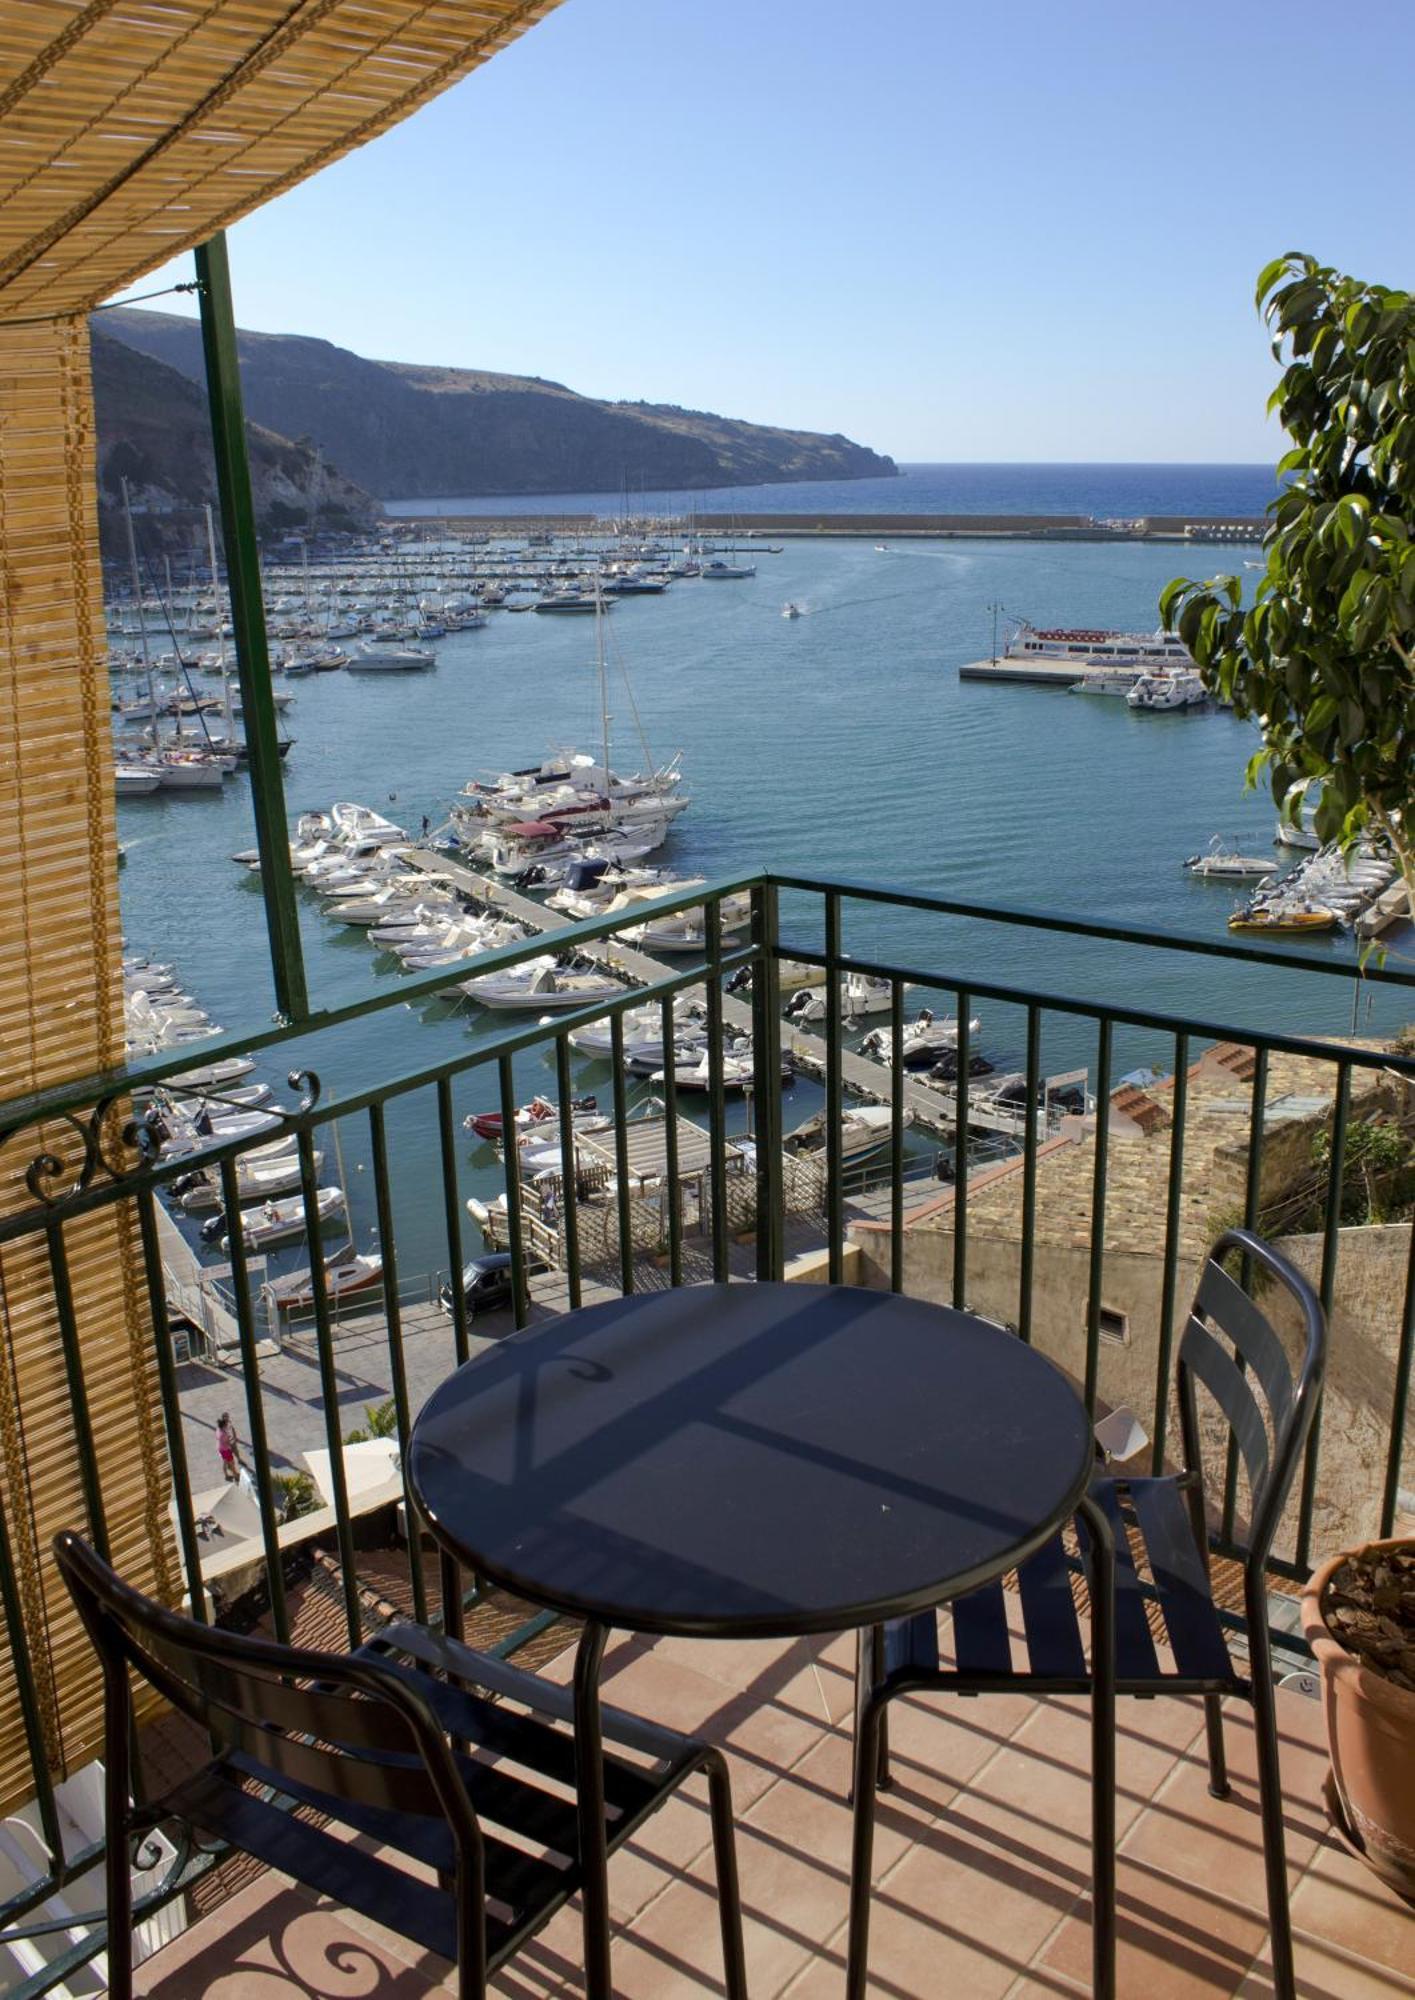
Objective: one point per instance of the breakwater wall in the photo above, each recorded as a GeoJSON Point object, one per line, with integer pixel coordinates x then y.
{"type": "Point", "coordinates": [875, 527]}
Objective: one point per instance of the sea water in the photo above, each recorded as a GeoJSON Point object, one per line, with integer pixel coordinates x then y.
{"type": "Point", "coordinates": [839, 743]}
{"type": "Point", "coordinates": [1100, 492]}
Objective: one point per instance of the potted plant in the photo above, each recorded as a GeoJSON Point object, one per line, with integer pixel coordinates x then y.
{"type": "Point", "coordinates": [1358, 1612]}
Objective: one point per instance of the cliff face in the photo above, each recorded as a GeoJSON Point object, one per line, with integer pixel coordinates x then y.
{"type": "Point", "coordinates": [414, 432]}
{"type": "Point", "coordinates": [153, 430]}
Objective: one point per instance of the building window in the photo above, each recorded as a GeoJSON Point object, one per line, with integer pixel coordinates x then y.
{"type": "Point", "coordinates": [1115, 1326]}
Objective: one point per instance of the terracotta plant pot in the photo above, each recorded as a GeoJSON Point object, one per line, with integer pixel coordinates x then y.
{"type": "Point", "coordinates": [1370, 1790]}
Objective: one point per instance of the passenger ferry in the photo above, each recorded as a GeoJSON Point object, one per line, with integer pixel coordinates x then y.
{"type": "Point", "coordinates": [1140, 650]}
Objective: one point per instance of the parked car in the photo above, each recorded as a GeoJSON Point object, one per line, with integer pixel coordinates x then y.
{"type": "Point", "coordinates": [486, 1283]}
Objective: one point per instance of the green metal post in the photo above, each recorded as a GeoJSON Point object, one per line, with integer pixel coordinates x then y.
{"type": "Point", "coordinates": [233, 484]}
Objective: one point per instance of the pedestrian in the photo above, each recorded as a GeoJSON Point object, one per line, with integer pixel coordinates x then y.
{"type": "Point", "coordinates": [427, 826]}
{"type": "Point", "coordinates": [229, 1449]}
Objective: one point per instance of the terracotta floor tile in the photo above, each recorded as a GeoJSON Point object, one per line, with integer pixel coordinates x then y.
{"type": "Point", "coordinates": [808, 1809]}
{"type": "Point", "coordinates": [938, 1743]}
{"type": "Point", "coordinates": [666, 1846]}
{"type": "Point", "coordinates": [675, 1947]}
{"type": "Point", "coordinates": [274, 1941]}
{"type": "Point", "coordinates": [1042, 1983]}
{"type": "Point", "coordinates": [1218, 1843]}
{"type": "Point", "coordinates": [1174, 1942]}
{"type": "Point", "coordinates": [964, 1912]}
{"type": "Point", "coordinates": [1326, 1973]}
{"type": "Point", "coordinates": [1340, 1900]}
{"type": "Point", "coordinates": [1046, 1767]}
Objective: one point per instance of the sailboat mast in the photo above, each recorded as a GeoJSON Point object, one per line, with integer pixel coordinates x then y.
{"type": "Point", "coordinates": [137, 600]}
{"type": "Point", "coordinates": [603, 677]}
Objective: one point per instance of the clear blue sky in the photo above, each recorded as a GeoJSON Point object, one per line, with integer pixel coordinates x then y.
{"type": "Point", "coordinates": [1028, 230]}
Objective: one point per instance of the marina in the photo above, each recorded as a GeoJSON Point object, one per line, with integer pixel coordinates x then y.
{"type": "Point", "coordinates": [408, 742]}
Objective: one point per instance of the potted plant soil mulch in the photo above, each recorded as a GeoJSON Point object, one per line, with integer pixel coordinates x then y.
{"type": "Point", "coordinates": [1358, 1612]}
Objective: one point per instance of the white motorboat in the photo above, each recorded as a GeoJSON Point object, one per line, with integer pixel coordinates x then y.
{"type": "Point", "coordinates": [692, 1068]}
{"type": "Point", "coordinates": [864, 1129]}
{"type": "Point", "coordinates": [718, 571]}
{"type": "Point", "coordinates": [1221, 864]}
{"type": "Point", "coordinates": [256, 1180]}
{"type": "Point", "coordinates": [1107, 680]}
{"type": "Point", "coordinates": [790, 610]}
{"type": "Point", "coordinates": [548, 988]}
{"type": "Point", "coordinates": [641, 1024]}
{"type": "Point", "coordinates": [280, 1221]}
{"type": "Point", "coordinates": [1163, 692]}
{"type": "Point", "coordinates": [213, 1076]}
{"type": "Point", "coordinates": [924, 1040]}
{"type": "Point", "coordinates": [860, 994]}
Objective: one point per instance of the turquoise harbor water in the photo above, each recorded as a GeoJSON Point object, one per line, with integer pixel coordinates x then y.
{"type": "Point", "coordinates": [841, 742]}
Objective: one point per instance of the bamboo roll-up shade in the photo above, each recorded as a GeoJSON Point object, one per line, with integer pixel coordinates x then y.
{"type": "Point", "coordinates": [129, 130]}
{"type": "Point", "coordinates": [133, 129]}
{"type": "Point", "coordinates": [61, 1016]}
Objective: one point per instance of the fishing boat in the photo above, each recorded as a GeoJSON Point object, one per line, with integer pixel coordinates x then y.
{"type": "Point", "coordinates": [344, 1278]}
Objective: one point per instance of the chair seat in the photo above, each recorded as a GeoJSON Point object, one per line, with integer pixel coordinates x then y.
{"type": "Point", "coordinates": [1150, 1512]}
{"type": "Point", "coordinates": [519, 1770]}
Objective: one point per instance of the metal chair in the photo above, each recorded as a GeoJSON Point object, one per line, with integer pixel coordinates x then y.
{"type": "Point", "coordinates": [391, 1743]}
{"type": "Point", "coordinates": [1228, 1346]}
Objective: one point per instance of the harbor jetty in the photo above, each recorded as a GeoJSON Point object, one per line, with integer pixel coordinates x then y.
{"type": "Point", "coordinates": [929, 1107]}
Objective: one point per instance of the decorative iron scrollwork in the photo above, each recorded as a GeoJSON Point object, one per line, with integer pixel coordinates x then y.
{"type": "Point", "coordinates": [307, 1082]}
{"type": "Point", "coordinates": [115, 1145]}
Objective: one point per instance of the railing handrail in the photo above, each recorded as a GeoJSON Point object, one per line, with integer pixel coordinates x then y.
{"type": "Point", "coordinates": [16, 1113]}
{"type": "Point", "coordinates": [126, 1078]}
{"type": "Point", "coordinates": [1078, 926]}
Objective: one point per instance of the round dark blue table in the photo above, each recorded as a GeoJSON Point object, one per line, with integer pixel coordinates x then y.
{"type": "Point", "coordinates": [750, 1460]}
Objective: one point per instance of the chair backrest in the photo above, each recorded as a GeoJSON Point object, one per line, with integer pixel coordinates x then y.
{"type": "Point", "coordinates": [361, 1736]}
{"type": "Point", "coordinates": [1230, 1346]}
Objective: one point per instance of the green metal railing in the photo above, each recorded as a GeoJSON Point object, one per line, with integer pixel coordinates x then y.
{"type": "Point", "coordinates": [818, 908]}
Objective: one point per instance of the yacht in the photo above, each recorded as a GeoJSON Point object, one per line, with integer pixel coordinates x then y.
{"type": "Point", "coordinates": [718, 571]}
{"type": "Point", "coordinates": [374, 656]}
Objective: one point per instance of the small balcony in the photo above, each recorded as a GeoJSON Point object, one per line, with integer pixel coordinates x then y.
{"type": "Point", "coordinates": [1072, 1210]}
{"type": "Point", "coordinates": [983, 1860]}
